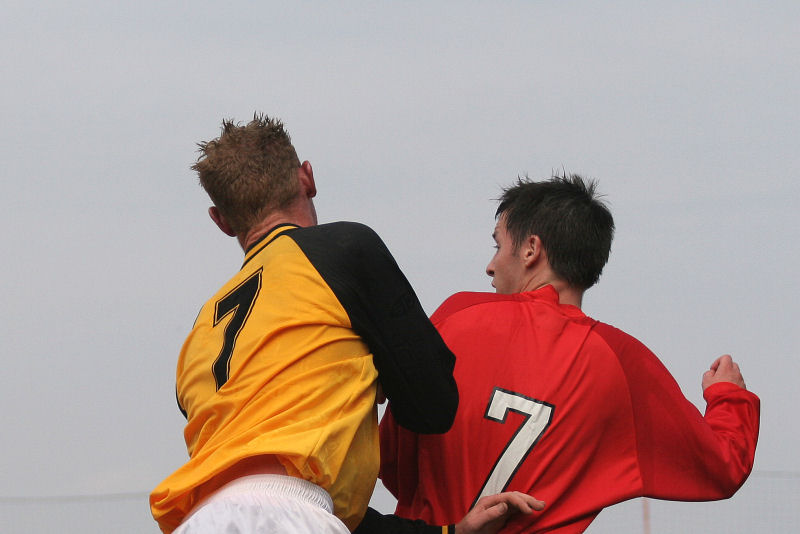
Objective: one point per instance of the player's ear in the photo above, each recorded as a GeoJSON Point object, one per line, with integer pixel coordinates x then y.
{"type": "Point", "coordinates": [532, 250]}
{"type": "Point", "coordinates": [306, 176]}
{"type": "Point", "coordinates": [220, 221]}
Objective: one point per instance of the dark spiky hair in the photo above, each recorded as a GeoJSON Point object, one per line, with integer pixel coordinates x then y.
{"type": "Point", "coordinates": [574, 224]}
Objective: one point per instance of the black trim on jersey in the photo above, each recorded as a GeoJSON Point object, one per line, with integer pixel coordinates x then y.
{"type": "Point", "coordinates": [414, 365]}
{"type": "Point", "coordinates": [260, 239]}
{"type": "Point", "coordinates": [186, 415]}
{"type": "Point", "coordinates": [376, 523]}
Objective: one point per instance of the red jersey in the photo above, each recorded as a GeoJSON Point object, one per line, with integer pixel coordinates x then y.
{"type": "Point", "coordinates": [570, 410]}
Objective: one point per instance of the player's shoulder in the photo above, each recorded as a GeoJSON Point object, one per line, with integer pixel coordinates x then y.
{"type": "Point", "coordinates": [341, 233]}
{"type": "Point", "coordinates": [629, 350]}
{"type": "Point", "coordinates": [344, 250]}
{"type": "Point", "coordinates": [465, 300]}
{"type": "Point", "coordinates": [339, 227]}
{"type": "Point", "coordinates": [614, 335]}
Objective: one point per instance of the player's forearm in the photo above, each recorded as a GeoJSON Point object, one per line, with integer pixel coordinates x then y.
{"type": "Point", "coordinates": [377, 523]}
{"type": "Point", "coordinates": [733, 413]}
{"type": "Point", "coordinates": [686, 456]}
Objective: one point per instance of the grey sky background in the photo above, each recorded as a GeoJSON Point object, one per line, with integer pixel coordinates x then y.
{"type": "Point", "coordinates": [414, 115]}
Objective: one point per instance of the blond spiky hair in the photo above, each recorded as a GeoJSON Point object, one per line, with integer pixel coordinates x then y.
{"type": "Point", "coordinates": [249, 170]}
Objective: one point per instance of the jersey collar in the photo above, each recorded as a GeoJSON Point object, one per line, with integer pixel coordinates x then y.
{"type": "Point", "coordinates": [266, 239]}
{"type": "Point", "coordinates": [549, 294]}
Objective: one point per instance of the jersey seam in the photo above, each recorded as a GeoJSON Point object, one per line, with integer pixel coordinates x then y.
{"type": "Point", "coordinates": [621, 369]}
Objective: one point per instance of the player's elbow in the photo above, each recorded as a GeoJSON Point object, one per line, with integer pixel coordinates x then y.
{"type": "Point", "coordinates": [446, 416]}
{"type": "Point", "coordinates": [728, 488]}
{"type": "Point", "coordinates": [433, 417]}
{"type": "Point", "coordinates": [728, 482]}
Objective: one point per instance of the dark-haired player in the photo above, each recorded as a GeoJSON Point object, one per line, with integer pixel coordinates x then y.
{"type": "Point", "coordinates": [555, 402]}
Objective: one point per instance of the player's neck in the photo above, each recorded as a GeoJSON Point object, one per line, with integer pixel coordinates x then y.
{"type": "Point", "coordinates": [569, 295]}
{"type": "Point", "coordinates": [301, 214]}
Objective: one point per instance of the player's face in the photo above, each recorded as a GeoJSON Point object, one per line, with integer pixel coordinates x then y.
{"type": "Point", "coordinates": [507, 267]}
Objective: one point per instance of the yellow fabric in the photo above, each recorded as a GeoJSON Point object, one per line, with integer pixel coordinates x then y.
{"type": "Point", "coordinates": [301, 385]}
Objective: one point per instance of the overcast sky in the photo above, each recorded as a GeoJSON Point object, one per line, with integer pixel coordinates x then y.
{"type": "Point", "coordinates": [413, 114]}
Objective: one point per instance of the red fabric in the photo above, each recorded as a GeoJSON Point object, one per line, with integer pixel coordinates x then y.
{"type": "Point", "coordinates": [609, 422]}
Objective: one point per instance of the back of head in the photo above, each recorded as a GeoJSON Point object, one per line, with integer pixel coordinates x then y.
{"type": "Point", "coordinates": [574, 225]}
{"type": "Point", "coordinates": [249, 170]}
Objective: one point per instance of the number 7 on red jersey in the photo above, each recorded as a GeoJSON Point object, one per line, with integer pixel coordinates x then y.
{"type": "Point", "coordinates": [538, 415]}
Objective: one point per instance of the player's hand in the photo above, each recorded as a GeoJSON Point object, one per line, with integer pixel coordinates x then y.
{"type": "Point", "coordinates": [724, 369]}
{"type": "Point", "coordinates": [491, 513]}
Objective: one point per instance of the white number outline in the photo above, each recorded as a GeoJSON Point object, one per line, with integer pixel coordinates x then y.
{"type": "Point", "coordinates": [538, 415]}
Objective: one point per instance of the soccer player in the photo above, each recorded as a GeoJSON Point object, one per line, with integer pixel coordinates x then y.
{"type": "Point", "coordinates": [557, 402]}
{"type": "Point", "coordinates": [279, 376]}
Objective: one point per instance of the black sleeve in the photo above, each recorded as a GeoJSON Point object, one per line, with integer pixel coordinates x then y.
{"type": "Point", "coordinates": [376, 523]}
{"type": "Point", "coordinates": [414, 364]}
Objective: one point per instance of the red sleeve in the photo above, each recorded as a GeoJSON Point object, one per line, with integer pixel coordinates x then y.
{"type": "Point", "coordinates": [733, 414]}
{"type": "Point", "coordinates": [682, 454]}
{"type": "Point", "coordinates": [398, 458]}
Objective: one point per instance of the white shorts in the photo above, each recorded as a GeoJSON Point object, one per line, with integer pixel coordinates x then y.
{"type": "Point", "coordinates": [257, 504]}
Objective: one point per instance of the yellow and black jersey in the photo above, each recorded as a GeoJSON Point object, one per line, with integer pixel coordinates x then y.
{"type": "Point", "coordinates": [284, 360]}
